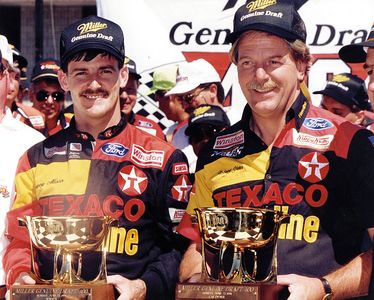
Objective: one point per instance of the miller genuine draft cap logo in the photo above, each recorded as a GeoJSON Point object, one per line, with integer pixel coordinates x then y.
{"type": "Point", "coordinates": [340, 78]}
{"type": "Point", "coordinates": [260, 4]}
{"type": "Point", "coordinates": [91, 27]}
{"type": "Point", "coordinates": [201, 110]}
{"type": "Point", "coordinates": [49, 66]}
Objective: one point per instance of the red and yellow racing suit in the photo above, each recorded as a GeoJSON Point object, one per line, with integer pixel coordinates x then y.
{"type": "Point", "coordinates": [320, 170]}
{"type": "Point", "coordinates": [126, 174]}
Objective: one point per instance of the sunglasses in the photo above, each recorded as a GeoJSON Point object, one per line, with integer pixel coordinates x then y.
{"type": "Point", "coordinates": [44, 95]}
{"type": "Point", "coordinates": [202, 132]}
{"type": "Point", "coordinates": [188, 98]}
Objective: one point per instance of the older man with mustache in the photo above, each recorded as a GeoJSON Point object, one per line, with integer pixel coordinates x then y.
{"type": "Point", "coordinates": [285, 154]}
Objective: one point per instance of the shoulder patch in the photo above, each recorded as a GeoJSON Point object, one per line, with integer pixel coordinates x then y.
{"type": "Point", "coordinates": [179, 169]}
{"type": "Point", "coordinates": [50, 152]}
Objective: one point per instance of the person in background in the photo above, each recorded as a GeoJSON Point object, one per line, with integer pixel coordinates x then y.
{"type": "Point", "coordinates": [23, 113]}
{"type": "Point", "coordinates": [16, 138]}
{"type": "Point", "coordinates": [197, 83]}
{"type": "Point", "coordinates": [362, 53]}
{"type": "Point", "coordinates": [205, 122]}
{"type": "Point", "coordinates": [47, 95]}
{"type": "Point", "coordinates": [102, 165]}
{"type": "Point", "coordinates": [128, 96]}
{"type": "Point", "coordinates": [20, 62]}
{"type": "Point", "coordinates": [164, 79]}
{"type": "Point", "coordinates": [346, 96]}
{"type": "Point", "coordinates": [290, 156]}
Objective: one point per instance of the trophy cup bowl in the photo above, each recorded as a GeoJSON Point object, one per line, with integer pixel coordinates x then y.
{"type": "Point", "coordinates": [68, 236]}
{"type": "Point", "coordinates": [245, 231]}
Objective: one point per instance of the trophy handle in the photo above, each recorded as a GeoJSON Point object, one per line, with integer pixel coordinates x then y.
{"type": "Point", "coordinates": [248, 278]}
{"type": "Point", "coordinates": [102, 276]}
{"type": "Point", "coordinates": [236, 273]}
{"type": "Point", "coordinates": [79, 270]}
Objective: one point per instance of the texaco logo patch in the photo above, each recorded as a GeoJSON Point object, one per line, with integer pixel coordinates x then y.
{"type": "Point", "coordinates": [313, 167]}
{"type": "Point", "coordinates": [181, 189]}
{"type": "Point", "coordinates": [132, 181]}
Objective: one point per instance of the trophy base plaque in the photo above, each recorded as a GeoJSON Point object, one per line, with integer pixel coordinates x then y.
{"type": "Point", "coordinates": [230, 291]}
{"type": "Point", "coordinates": [66, 292]}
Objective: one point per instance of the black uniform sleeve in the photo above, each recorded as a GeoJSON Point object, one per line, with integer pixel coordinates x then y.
{"type": "Point", "coordinates": [361, 156]}
{"type": "Point", "coordinates": [161, 275]}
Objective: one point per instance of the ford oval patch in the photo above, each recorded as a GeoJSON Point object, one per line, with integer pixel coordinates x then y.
{"type": "Point", "coordinates": [317, 123]}
{"type": "Point", "coordinates": [114, 149]}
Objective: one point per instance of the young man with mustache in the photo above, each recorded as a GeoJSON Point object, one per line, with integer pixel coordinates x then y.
{"type": "Point", "coordinates": [101, 165]}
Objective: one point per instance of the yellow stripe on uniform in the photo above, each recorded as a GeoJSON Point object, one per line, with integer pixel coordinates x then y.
{"type": "Point", "coordinates": [58, 178]}
{"type": "Point", "coordinates": [249, 168]}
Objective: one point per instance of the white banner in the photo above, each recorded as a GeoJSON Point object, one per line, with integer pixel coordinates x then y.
{"type": "Point", "coordinates": [168, 31]}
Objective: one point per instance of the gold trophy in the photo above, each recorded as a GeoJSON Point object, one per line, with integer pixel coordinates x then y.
{"type": "Point", "coordinates": [239, 254]}
{"type": "Point", "coordinates": [68, 238]}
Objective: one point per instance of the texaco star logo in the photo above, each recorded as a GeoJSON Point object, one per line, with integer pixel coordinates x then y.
{"type": "Point", "coordinates": [313, 167]}
{"type": "Point", "coordinates": [181, 189]}
{"type": "Point", "coordinates": [132, 181]}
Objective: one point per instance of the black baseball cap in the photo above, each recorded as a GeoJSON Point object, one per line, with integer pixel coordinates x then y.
{"type": "Point", "coordinates": [208, 115]}
{"type": "Point", "coordinates": [19, 60]}
{"type": "Point", "coordinates": [355, 53]}
{"type": "Point", "coordinates": [131, 65]}
{"type": "Point", "coordinates": [349, 90]}
{"type": "Point", "coordinates": [276, 17]}
{"type": "Point", "coordinates": [92, 32]}
{"type": "Point", "coordinates": [45, 68]}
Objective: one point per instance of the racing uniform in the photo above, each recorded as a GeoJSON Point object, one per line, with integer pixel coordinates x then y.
{"type": "Point", "coordinates": [320, 170]}
{"type": "Point", "coordinates": [126, 174]}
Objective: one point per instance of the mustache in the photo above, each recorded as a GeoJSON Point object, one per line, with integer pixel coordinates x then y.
{"type": "Point", "coordinates": [93, 92]}
{"type": "Point", "coordinates": [268, 85]}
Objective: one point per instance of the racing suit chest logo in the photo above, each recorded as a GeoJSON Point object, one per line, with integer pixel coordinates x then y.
{"type": "Point", "coordinates": [114, 149]}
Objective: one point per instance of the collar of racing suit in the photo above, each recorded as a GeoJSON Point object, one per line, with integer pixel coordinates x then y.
{"type": "Point", "coordinates": [107, 133]}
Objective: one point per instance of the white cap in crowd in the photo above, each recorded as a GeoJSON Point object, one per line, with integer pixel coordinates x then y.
{"type": "Point", "coordinates": [6, 50]}
{"type": "Point", "coordinates": [192, 74]}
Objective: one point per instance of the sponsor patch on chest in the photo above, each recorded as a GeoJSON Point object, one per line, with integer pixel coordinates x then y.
{"type": "Point", "coordinates": [147, 158]}
{"type": "Point", "coordinates": [310, 141]}
{"type": "Point", "coordinates": [229, 140]}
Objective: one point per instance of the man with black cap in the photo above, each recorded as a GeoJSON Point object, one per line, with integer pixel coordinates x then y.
{"type": "Point", "coordinates": [47, 95]}
{"type": "Point", "coordinates": [101, 165]}
{"type": "Point", "coordinates": [362, 53]}
{"type": "Point", "coordinates": [285, 154]}
{"type": "Point", "coordinates": [346, 96]}
{"type": "Point", "coordinates": [128, 96]}
{"type": "Point", "coordinates": [205, 122]}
